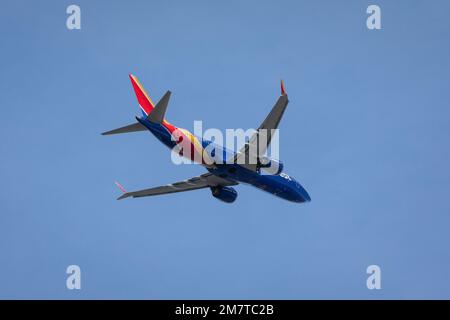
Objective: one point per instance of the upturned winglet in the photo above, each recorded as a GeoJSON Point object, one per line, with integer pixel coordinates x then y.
{"type": "Point", "coordinates": [283, 90]}
{"type": "Point", "coordinates": [120, 187]}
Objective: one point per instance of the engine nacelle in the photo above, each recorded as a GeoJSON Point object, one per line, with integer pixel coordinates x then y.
{"type": "Point", "coordinates": [271, 166]}
{"type": "Point", "coordinates": [225, 194]}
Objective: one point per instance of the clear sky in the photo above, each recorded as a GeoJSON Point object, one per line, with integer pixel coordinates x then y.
{"type": "Point", "coordinates": [366, 132]}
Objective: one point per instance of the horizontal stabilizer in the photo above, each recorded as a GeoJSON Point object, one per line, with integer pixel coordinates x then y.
{"type": "Point", "coordinates": [157, 114]}
{"type": "Point", "coordinates": [143, 98]}
{"type": "Point", "coordinates": [129, 128]}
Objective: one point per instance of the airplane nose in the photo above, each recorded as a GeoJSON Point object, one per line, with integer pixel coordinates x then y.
{"type": "Point", "coordinates": [302, 194]}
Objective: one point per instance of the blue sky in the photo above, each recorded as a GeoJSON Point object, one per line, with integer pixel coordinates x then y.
{"type": "Point", "coordinates": [366, 132]}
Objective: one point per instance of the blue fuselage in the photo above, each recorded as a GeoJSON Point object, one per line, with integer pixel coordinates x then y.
{"type": "Point", "coordinates": [280, 185]}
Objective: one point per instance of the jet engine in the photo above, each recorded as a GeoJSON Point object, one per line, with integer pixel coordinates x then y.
{"type": "Point", "coordinates": [226, 194]}
{"type": "Point", "coordinates": [271, 166]}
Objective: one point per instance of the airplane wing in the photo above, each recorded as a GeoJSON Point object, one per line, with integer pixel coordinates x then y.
{"type": "Point", "coordinates": [204, 181]}
{"type": "Point", "coordinates": [263, 134]}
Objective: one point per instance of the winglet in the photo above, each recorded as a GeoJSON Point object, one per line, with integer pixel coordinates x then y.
{"type": "Point", "coordinates": [283, 90]}
{"type": "Point", "coordinates": [125, 193]}
{"type": "Point", "coordinates": [120, 187]}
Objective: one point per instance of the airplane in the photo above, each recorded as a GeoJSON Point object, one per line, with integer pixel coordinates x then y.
{"type": "Point", "coordinates": [221, 175]}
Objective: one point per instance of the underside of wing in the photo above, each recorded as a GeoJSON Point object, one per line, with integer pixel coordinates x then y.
{"type": "Point", "coordinates": [256, 147]}
{"type": "Point", "coordinates": [204, 181]}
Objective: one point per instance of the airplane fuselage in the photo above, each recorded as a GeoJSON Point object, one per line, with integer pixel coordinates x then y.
{"type": "Point", "coordinates": [281, 185]}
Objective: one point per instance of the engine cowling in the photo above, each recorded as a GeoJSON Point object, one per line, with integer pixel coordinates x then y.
{"type": "Point", "coordinates": [225, 194]}
{"type": "Point", "coordinates": [271, 166]}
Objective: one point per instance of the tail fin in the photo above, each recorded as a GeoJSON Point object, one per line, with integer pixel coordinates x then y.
{"type": "Point", "coordinates": [151, 112]}
{"type": "Point", "coordinates": [143, 98]}
{"type": "Point", "coordinates": [129, 128]}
